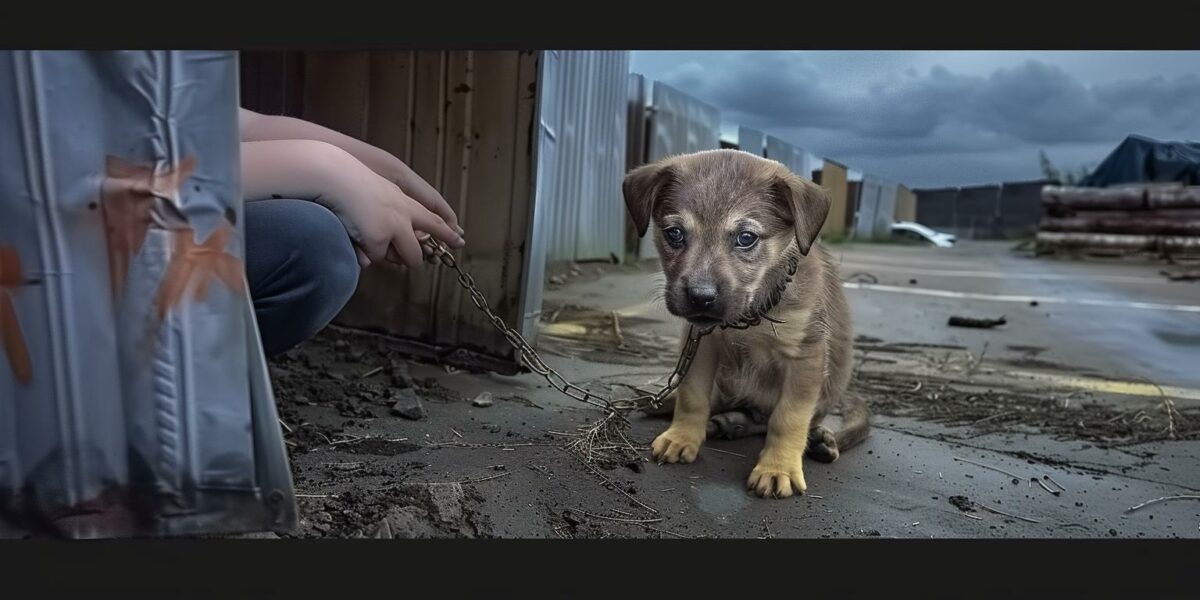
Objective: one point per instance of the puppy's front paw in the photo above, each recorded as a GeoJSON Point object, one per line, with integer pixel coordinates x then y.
{"type": "Point", "coordinates": [777, 478]}
{"type": "Point", "coordinates": [676, 446]}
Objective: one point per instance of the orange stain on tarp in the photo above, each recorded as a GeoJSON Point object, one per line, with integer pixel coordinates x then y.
{"type": "Point", "coordinates": [127, 199]}
{"type": "Point", "coordinates": [194, 266]}
{"type": "Point", "coordinates": [13, 340]}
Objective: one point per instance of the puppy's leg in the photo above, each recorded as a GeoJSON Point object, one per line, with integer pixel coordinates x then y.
{"type": "Point", "coordinates": [681, 441]}
{"type": "Point", "coordinates": [780, 467]}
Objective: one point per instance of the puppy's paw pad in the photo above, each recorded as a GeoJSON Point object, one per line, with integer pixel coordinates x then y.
{"type": "Point", "coordinates": [775, 482]}
{"type": "Point", "coordinates": [675, 447]}
{"type": "Point", "coordinates": [822, 444]}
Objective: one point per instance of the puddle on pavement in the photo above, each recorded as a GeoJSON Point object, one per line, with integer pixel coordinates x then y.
{"type": "Point", "coordinates": [720, 500]}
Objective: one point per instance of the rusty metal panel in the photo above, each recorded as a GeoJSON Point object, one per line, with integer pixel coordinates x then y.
{"type": "Point", "coordinates": [134, 398]}
{"type": "Point", "coordinates": [586, 111]}
{"type": "Point", "coordinates": [833, 178]}
{"type": "Point", "coordinates": [464, 122]}
{"type": "Point", "coordinates": [906, 204]}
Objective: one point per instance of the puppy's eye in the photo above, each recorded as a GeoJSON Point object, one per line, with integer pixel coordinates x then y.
{"type": "Point", "coordinates": [746, 239]}
{"type": "Point", "coordinates": [673, 235]}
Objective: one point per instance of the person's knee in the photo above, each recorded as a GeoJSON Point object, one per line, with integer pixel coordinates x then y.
{"type": "Point", "coordinates": [325, 259]}
{"type": "Point", "coordinates": [305, 270]}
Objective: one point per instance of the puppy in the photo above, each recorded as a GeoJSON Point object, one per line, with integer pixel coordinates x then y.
{"type": "Point", "coordinates": [736, 235]}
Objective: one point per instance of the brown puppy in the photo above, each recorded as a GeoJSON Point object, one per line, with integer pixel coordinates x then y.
{"type": "Point", "coordinates": [730, 226]}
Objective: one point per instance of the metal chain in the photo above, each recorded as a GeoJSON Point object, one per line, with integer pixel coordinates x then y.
{"type": "Point", "coordinates": [531, 359]}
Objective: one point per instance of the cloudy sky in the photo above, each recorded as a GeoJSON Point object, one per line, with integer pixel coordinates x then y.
{"type": "Point", "coordinates": [945, 118]}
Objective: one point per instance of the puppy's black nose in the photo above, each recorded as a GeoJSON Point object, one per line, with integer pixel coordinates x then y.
{"type": "Point", "coordinates": [702, 296]}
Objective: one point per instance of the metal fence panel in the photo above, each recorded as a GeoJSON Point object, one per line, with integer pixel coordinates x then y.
{"type": "Point", "coordinates": [1021, 207]}
{"type": "Point", "coordinates": [869, 200]}
{"type": "Point", "coordinates": [936, 207]}
{"type": "Point", "coordinates": [885, 210]}
{"type": "Point", "coordinates": [977, 213]}
{"type": "Point", "coordinates": [126, 409]}
{"type": "Point", "coordinates": [679, 124]}
{"type": "Point", "coordinates": [751, 140]}
{"type": "Point", "coordinates": [585, 210]}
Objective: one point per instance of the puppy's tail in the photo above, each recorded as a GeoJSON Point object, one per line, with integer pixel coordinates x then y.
{"type": "Point", "coordinates": [856, 423]}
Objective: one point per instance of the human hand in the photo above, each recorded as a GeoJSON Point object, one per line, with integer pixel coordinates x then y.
{"type": "Point", "coordinates": [420, 190]}
{"type": "Point", "coordinates": [384, 222]}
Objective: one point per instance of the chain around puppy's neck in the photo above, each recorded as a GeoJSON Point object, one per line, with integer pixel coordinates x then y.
{"type": "Point", "coordinates": [530, 358]}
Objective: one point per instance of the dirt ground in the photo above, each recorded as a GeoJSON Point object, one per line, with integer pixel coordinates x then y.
{"type": "Point", "coordinates": [1051, 425]}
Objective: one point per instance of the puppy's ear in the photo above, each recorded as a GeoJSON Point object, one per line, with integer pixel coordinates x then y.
{"type": "Point", "coordinates": [808, 203]}
{"type": "Point", "coordinates": [642, 186]}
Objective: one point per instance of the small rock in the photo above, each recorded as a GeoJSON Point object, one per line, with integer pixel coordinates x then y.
{"type": "Point", "coordinates": [341, 345]}
{"type": "Point", "coordinates": [872, 533]}
{"type": "Point", "coordinates": [557, 280]}
{"type": "Point", "coordinates": [409, 405]}
{"type": "Point", "coordinates": [483, 400]}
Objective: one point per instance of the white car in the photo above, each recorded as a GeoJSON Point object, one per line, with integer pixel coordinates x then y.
{"type": "Point", "coordinates": [909, 230]}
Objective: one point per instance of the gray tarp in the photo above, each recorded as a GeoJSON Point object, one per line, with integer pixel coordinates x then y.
{"type": "Point", "coordinates": [1140, 159]}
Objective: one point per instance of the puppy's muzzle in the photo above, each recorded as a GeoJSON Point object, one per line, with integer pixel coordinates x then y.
{"type": "Point", "coordinates": [704, 303]}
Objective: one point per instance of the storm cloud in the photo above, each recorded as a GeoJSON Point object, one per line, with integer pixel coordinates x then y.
{"type": "Point", "coordinates": [931, 125]}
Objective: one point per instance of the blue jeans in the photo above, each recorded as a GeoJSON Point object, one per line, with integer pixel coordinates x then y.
{"type": "Point", "coordinates": [301, 266]}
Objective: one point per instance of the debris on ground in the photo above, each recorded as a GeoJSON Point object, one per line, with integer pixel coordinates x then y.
{"type": "Point", "coordinates": [962, 503]}
{"type": "Point", "coordinates": [483, 400]}
{"type": "Point", "coordinates": [862, 278]}
{"type": "Point", "coordinates": [941, 400]}
{"type": "Point", "coordinates": [975, 323]}
{"type": "Point", "coordinates": [594, 335]}
{"type": "Point", "coordinates": [409, 405]}
{"type": "Point", "coordinates": [1163, 499]}
{"type": "Point", "coordinates": [1189, 275]}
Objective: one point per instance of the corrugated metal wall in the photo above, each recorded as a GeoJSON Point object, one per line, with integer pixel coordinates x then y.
{"type": "Point", "coordinates": [679, 124]}
{"type": "Point", "coordinates": [464, 122]}
{"type": "Point", "coordinates": [792, 157]}
{"type": "Point", "coordinates": [751, 140]}
{"type": "Point", "coordinates": [868, 206]}
{"type": "Point", "coordinates": [982, 212]}
{"type": "Point", "coordinates": [585, 111]}
{"type": "Point", "coordinates": [876, 208]}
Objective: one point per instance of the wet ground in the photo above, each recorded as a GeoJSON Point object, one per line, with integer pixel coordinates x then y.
{"type": "Point", "coordinates": [1083, 405]}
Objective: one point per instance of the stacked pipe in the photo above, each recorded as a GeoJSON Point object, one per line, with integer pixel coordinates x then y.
{"type": "Point", "coordinates": [1160, 218]}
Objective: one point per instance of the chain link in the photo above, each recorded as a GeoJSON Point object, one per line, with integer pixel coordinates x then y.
{"type": "Point", "coordinates": [530, 358]}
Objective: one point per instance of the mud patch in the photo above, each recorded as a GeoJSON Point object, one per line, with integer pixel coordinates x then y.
{"type": "Point", "coordinates": [1010, 410]}
{"type": "Point", "coordinates": [431, 510]}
